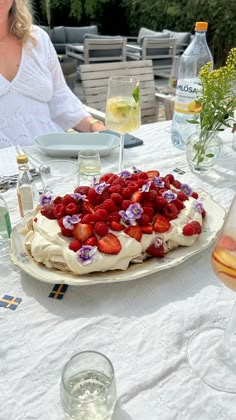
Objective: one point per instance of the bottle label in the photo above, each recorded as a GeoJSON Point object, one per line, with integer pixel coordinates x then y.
{"type": "Point", "coordinates": [186, 94]}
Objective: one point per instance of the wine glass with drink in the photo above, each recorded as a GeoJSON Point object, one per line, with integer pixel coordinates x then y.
{"type": "Point", "coordinates": [212, 352]}
{"type": "Point", "coordinates": [123, 108]}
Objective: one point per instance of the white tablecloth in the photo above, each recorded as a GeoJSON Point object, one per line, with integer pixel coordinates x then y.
{"type": "Point", "coordinates": [143, 326]}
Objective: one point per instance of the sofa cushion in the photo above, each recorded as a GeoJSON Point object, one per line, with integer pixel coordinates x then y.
{"type": "Point", "coordinates": [75, 35]}
{"type": "Point", "coordinates": [92, 36]}
{"type": "Point", "coordinates": [145, 32]}
{"type": "Point", "coordinates": [182, 39]}
{"type": "Point", "coordinates": [115, 52]}
{"type": "Point", "coordinates": [58, 35]}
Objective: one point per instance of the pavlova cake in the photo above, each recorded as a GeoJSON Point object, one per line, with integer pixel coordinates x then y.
{"type": "Point", "coordinates": [121, 219]}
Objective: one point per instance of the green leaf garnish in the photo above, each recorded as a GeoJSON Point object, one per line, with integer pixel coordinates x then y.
{"type": "Point", "coordinates": [135, 93]}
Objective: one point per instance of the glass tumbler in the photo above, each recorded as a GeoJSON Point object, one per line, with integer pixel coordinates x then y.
{"type": "Point", "coordinates": [59, 177]}
{"type": "Point", "coordinates": [88, 388]}
{"type": "Point", "coordinates": [89, 165]}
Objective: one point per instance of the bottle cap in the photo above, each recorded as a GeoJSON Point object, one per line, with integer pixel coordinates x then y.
{"type": "Point", "coordinates": [22, 159]}
{"type": "Point", "coordinates": [201, 26]}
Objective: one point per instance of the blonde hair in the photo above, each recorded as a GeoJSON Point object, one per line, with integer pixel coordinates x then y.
{"type": "Point", "coordinates": [20, 21]}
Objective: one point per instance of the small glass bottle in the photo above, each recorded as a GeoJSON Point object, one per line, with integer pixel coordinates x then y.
{"type": "Point", "coordinates": [25, 186]}
{"type": "Point", "coordinates": [5, 227]}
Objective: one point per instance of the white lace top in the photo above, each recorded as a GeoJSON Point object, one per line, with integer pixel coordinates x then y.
{"type": "Point", "coordinates": [37, 100]}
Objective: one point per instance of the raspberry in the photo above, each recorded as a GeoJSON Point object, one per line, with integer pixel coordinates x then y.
{"type": "Point", "coordinates": [35, 219]}
{"type": "Point", "coordinates": [92, 195]}
{"type": "Point", "coordinates": [66, 232]}
{"type": "Point", "coordinates": [105, 195]}
{"type": "Point", "coordinates": [57, 200]}
{"type": "Point", "coordinates": [117, 188]}
{"type": "Point", "coordinates": [48, 211]}
{"type": "Point", "coordinates": [197, 227]}
{"type": "Point", "coordinates": [203, 213]}
{"type": "Point", "coordinates": [151, 195]}
{"type": "Point", "coordinates": [134, 177]}
{"type": "Point", "coordinates": [133, 185]}
{"type": "Point", "coordinates": [71, 209]}
{"type": "Point", "coordinates": [195, 195]}
{"type": "Point", "coordinates": [170, 210]}
{"type": "Point", "coordinates": [176, 184]}
{"type": "Point", "coordinates": [181, 196]}
{"type": "Point", "coordinates": [141, 182]}
{"type": "Point", "coordinates": [67, 199]}
{"type": "Point", "coordinates": [125, 204]}
{"type": "Point", "coordinates": [126, 193]}
{"type": "Point", "coordinates": [83, 189]}
{"type": "Point", "coordinates": [101, 228]}
{"type": "Point", "coordinates": [119, 181]}
{"type": "Point", "coordinates": [87, 218]}
{"type": "Point", "coordinates": [170, 178]}
{"type": "Point", "coordinates": [189, 230]}
{"type": "Point", "coordinates": [109, 205]}
{"type": "Point", "coordinates": [149, 211]}
{"type": "Point", "coordinates": [117, 198]}
{"type": "Point", "coordinates": [75, 245]}
{"type": "Point", "coordinates": [113, 217]}
{"type": "Point", "coordinates": [144, 219]}
{"type": "Point", "coordinates": [60, 222]}
{"type": "Point", "coordinates": [59, 211]}
{"type": "Point", "coordinates": [142, 175]}
{"type": "Point", "coordinates": [101, 213]}
{"type": "Point", "coordinates": [112, 178]}
{"type": "Point", "coordinates": [105, 177]}
{"type": "Point", "coordinates": [179, 204]}
{"type": "Point", "coordinates": [160, 202]}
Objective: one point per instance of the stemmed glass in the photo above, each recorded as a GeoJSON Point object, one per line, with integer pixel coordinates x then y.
{"type": "Point", "coordinates": [123, 108]}
{"type": "Point", "coordinates": [212, 352]}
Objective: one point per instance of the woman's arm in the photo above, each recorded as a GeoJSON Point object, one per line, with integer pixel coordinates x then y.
{"type": "Point", "coordinates": [90, 124]}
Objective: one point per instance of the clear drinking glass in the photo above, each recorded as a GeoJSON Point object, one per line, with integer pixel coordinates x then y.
{"type": "Point", "coordinates": [88, 388]}
{"type": "Point", "coordinates": [212, 351]}
{"type": "Point", "coordinates": [89, 165]}
{"type": "Point", "coordinates": [59, 177]}
{"type": "Point", "coordinates": [174, 74]}
{"type": "Point", "coordinates": [123, 108]}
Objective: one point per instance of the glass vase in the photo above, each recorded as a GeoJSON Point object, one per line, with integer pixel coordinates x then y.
{"type": "Point", "coordinates": [203, 148]}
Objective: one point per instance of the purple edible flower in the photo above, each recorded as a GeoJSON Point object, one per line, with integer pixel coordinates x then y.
{"type": "Point", "coordinates": [158, 242]}
{"type": "Point", "coordinates": [169, 196]}
{"type": "Point", "coordinates": [158, 181]}
{"type": "Point", "coordinates": [85, 254]}
{"type": "Point", "coordinates": [146, 187]}
{"type": "Point", "coordinates": [136, 170]}
{"type": "Point", "coordinates": [125, 174]}
{"type": "Point", "coordinates": [186, 189]}
{"type": "Point", "coordinates": [70, 221]}
{"type": "Point", "coordinates": [197, 205]}
{"type": "Point", "coordinates": [134, 211]}
{"type": "Point", "coordinates": [78, 196]}
{"type": "Point", "coordinates": [45, 199]}
{"type": "Point", "coordinates": [99, 188]}
{"type": "Point", "coordinates": [124, 216]}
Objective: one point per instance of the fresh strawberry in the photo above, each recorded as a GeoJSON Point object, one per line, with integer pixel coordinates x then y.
{"type": "Point", "coordinates": [137, 196]}
{"type": "Point", "coordinates": [75, 245]}
{"type": "Point", "coordinates": [227, 242]}
{"type": "Point", "coordinates": [156, 249]}
{"type": "Point", "coordinates": [82, 231]}
{"type": "Point", "coordinates": [170, 178]}
{"type": "Point", "coordinates": [57, 200]}
{"type": "Point", "coordinates": [170, 210]}
{"type": "Point", "coordinates": [67, 199]}
{"type": "Point", "coordinates": [197, 227]}
{"type": "Point", "coordinates": [179, 204]}
{"type": "Point", "coordinates": [87, 208]}
{"type": "Point", "coordinates": [116, 226]}
{"type": "Point", "coordinates": [101, 228]}
{"type": "Point", "coordinates": [109, 244]}
{"type": "Point", "coordinates": [144, 219]}
{"type": "Point", "coordinates": [161, 223]}
{"type": "Point", "coordinates": [189, 229]}
{"type": "Point", "coordinates": [66, 232]}
{"type": "Point", "coordinates": [135, 232]}
{"type": "Point", "coordinates": [71, 209]}
{"type": "Point", "coordinates": [147, 229]}
{"type": "Point", "coordinates": [203, 213]}
{"type": "Point", "coordinates": [87, 218]}
{"type": "Point", "coordinates": [48, 211]}
{"type": "Point", "coordinates": [151, 174]}
{"type": "Point", "coordinates": [83, 189]}
{"type": "Point", "coordinates": [59, 211]}
{"type": "Point", "coordinates": [181, 196]}
{"type": "Point", "coordinates": [92, 241]}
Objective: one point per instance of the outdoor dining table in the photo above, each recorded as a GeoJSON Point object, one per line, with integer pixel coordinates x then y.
{"type": "Point", "coordinates": [143, 326]}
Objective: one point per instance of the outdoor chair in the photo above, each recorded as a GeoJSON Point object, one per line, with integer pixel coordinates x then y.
{"type": "Point", "coordinates": [160, 50]}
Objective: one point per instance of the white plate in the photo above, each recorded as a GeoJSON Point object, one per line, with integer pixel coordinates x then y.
{"type": "Point", "coordinates": [69, 144]}
{"type": "Point", "coordinates": [212, 224]}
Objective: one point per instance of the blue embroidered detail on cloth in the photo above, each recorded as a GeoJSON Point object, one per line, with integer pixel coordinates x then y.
{"type": "Point", "coordinates": [179, 171]}
{"type": "Point", "coordinates": [10, 302]}
{"type": "Point", "coordinates": [58, 291]}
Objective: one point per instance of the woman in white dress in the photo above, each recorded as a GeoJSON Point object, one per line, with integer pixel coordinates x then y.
{"type": "Point", "coordinates": [34, 97]}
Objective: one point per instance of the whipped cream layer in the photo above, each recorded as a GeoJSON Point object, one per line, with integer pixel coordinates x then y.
{"type": "Point", "coordinates": [49, 247]}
